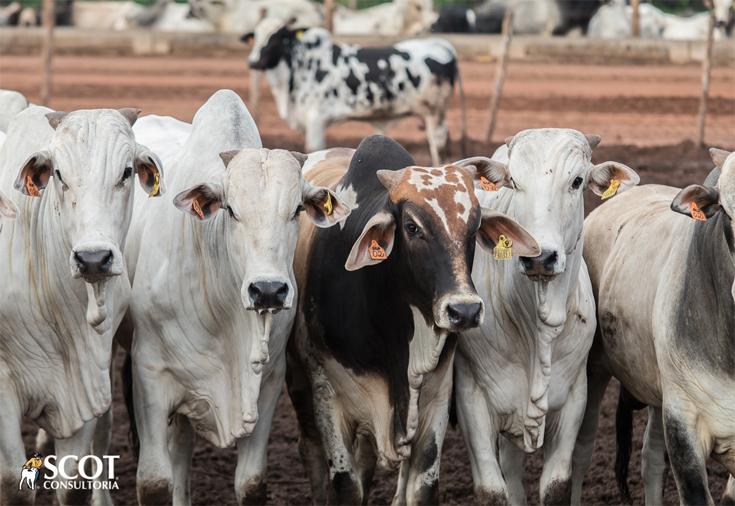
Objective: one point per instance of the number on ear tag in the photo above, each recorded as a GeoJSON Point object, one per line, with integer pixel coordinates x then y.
{"type": "Point", "coordinates": [156, 185]}
{"type": "Point", "coordinates": [697, 213]}
{"type": "Point", "coordinates": [328, 208]}
{"type": "Point", "coordinates": [197, 209]}
{"type": "Point", "coordinates": [611, 190]}
{"type": "Point", "coordinates": [487, 185]}
{"type": "Point", "coordinates": [504, 249]}
{"type": "Point", "coordinates": [376, 251]}
{"type": "Point", "coordinates": [31, 188]}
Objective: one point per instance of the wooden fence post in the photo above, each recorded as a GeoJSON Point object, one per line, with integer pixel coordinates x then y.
{"type": "Point", "coordinates": [500, 74]}
{"type": "Point", "coordinates": [47, 49]}
{"type": "Point", "coordinates": [635, 18]}
{"type": "Point", "coordinates": [706, 72]}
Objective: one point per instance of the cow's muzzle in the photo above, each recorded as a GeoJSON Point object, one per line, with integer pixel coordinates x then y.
{"type": "Point", "coordinates": [460, 312]}
{"type": "Point", "coordinates": [268, 295]}
{"type": "Point", "coordinates": [547, 265]}
{"type": "Point", "coordinates": [95, 262]}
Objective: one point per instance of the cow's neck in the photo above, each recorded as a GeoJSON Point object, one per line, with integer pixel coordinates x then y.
{"type": "Point", "coordinates": [282, 82]}
{"type": "Point", "coordinates": [57, 324]}
{"type": "Point", "coordinates": [703, 307]}
{"type": "Point", "coordinates": [545, 305]}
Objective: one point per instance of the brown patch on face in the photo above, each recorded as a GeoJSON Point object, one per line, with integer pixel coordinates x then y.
{"type": "Point", "coordinates": [446, 193]}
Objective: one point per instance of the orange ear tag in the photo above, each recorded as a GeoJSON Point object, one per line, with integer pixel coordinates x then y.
{"type": "Point", "coordinates": [611, 190]}
{"type": "Point", "coordinates": [697, 213]}
{"type": "Point", "coordinates": [197, 209]}
{"type": "Point", "coordinates": [328, 208]}
{"type": "Point", "coordinates": [31, 188]}
{"type": "Point", "coordinates": [487, 185]}
{"type": "Point", "coordinates": [504, 249]}
{"type": "Point", "coordinates": [376, 251]}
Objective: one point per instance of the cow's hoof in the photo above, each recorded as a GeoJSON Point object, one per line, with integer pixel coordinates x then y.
{"type": "Point", "coordinates": [485, 497]}
{"type": "Point", "coordinates": [255, 494]}
{"type": "Point", "coordinates": [154, 491]}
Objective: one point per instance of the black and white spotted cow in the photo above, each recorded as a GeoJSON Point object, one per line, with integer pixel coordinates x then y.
{"type": "Point", "coordinates": [317, 81]}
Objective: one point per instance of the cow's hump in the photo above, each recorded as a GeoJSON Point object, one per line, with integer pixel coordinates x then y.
{"type": "Point", "coordinates": [375, 153]}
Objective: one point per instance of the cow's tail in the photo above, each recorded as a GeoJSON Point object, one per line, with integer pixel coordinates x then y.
{"type": "Point", "coordinates": [624, 440]}
{"type": "Point", "coordinates": [463, 105]}
{"type": "Point", "coordinates": [127, 383]}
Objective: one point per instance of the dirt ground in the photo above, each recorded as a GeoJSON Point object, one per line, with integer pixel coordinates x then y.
{"type": "Point", "coordinates": [645, 115]}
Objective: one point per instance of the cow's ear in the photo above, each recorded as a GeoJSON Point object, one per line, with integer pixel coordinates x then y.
{"type": "Point", "coordinates": [201, 201]}
{"type": "Point", "coordinates": [374, 244]}
{"type": "Point", "coordinates": [695, 199]}
{"type": "Point", "coordinates": [495, 224]}
{"type": "Point", "coordinates": [7, 206]}
{"type": "Point", "coordinates": [489, 174]}
{"type": "Point", "coordinates": [323, 206]}
{"type": "Point", "coordinates": [34, 175]}
{"type": "Point", "coordinates": [718, 156]}
{"type": "Point", "coordinates": [612, 177]}
{"type": "Point", "coordinates": [150, 172]}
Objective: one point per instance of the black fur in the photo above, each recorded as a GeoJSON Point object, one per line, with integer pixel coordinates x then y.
{"type": "Point", "coordinates": [624, 440]}
{"type": "Point", "coordinates": [126, 375]}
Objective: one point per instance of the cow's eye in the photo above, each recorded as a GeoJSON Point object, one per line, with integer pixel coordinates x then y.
{"type": "Point", "coordinates": [298, 210]}
{"type": "Point", "coordinates": [577, 182]}
{"type": "Point", "coordinates": [411, 229]}
{"type": "Point", "coordinates": [61, 181]}
{"type": "Point", "coordinates": [231, 212]}
{"type": "Point", "coordinates": [125, 175]}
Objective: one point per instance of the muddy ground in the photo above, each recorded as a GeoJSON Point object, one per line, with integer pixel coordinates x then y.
{"type": "Point", "coordinates": [645, 115]}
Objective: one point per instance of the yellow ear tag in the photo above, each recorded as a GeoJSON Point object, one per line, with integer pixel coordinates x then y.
{"type": "Point", "coordinates": [697, 213]}
{"type": "Point", "coordinates": [611, 190]}
{"type": "Point", "coordinates": [197, 209]}
{"type": "Point", "coordinates": [487, 185]}
{"type": "Point", "coordinates": [376, 251]}
{"type": "Point", "coordinates": [31, 188]}
{"type": "Point", "coordinates": [504, 248]}
{"type": "Point", "coordinates": [299, 34]}
{"type": "Point", "coordinates": [328, 208]}
{"type": "Point", "coordinates": [156, 185]}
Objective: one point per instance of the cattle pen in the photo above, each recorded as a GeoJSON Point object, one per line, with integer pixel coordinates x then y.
{"type": "Point", "coordinates": [641, 96]}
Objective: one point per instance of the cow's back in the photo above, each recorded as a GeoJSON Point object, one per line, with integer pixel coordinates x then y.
{"type": "Point", "coordinates": [632, 238]}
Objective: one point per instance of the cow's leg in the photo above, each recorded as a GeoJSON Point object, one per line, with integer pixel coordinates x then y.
{"type": "Point", "coordinates": [597, 380]}
{"type": "Point", "coordinates": [365, 460]}
{"type": "Point", "coordinates": [252, 451]}
{"type": "Point", "coordinates": [100, 446]}
{"type": "Point", "coordinates": [728, 496]}
{"type": "Point", "coordinates": [154, 477]}
{"type": "Point", "coordinates": [181, 440]}
{"type": "Point", "coordinates": [311, 450]}
{"type": "Point", "coordinates": [653, 459]}
{"type": "Point", "coordinates": [346, 487]}
{"type": "Point", "coordinates": [511, 462]}
{"type": "Point", "coordinates": [79, 444]}
{"type": "Point", "coordinates": [688, 451]}
{"type": "Point", "coordinates": [44, 442]}
{"type": "Point", "coordinates": [12, 452]}
{"type": "Point", "coordinates": [432, 126]}
{"type": "Point", "coordinates": [422, 481]}
{"type": "Point", "coordinates": [561, 437]}
{"type": "Point", "coordinates": [481, 437]}
{"type": "Point", "coordinates": [316, 132]}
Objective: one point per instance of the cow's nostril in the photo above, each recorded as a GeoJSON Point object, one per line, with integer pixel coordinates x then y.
{"type": "Point", "coordinates": [94, 262]}
{"type": "Point", "coordinates": [268, 294]}
{"type": "Point", "coordinates": [464, 316]}
{"type": "Point", "coordinates": [527, 262]}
